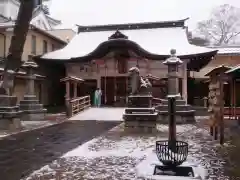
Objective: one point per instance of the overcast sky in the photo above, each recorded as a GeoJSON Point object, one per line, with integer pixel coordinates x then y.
{"type": "Point", "coordinates": [92, 12]}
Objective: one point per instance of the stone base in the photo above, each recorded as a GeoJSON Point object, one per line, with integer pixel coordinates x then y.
{"type": "Point", "coordinates": [34, 116]}
{"type": "Point", "coordinates": [10, 124]}
{"type": "Point", "coordinates": [9, 113]}
{"type": "Point", "coordinates": [137, 101]}
{"type": "Point", "coordinates": [32, 110]}
{"type": "Point", "coordinates": [139, 127]}
{"type": "Point", "coordinates": [184, 112]}
{"type": "Point", "coordinates": [181, 118]}
{"type": "Point", "coordinates": [140, 117]}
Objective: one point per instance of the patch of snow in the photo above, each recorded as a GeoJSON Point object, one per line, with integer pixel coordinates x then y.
{"type": "Point", "coordinates": [100, 114]}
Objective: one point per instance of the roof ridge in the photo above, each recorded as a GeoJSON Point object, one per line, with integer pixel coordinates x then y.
{"type": "Point", "coordinates": [128, 26]}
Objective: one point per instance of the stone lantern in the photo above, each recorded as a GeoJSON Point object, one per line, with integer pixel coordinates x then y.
{"type": "Point", "coordinates": [30, 106]}
{"type": "Point", "coordinates": [184, 112]}
{"type": "Point", "coordinates": [173, 63]}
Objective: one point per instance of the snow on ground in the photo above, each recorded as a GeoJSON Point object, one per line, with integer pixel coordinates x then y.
{"type": "Point", "coordinates": [100, 114]}
{"type": "Point", "coordinates": [116, 155]}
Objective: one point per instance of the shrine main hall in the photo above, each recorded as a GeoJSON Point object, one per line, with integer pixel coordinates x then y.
{"type": "Point", "coordinates": [100, 56]}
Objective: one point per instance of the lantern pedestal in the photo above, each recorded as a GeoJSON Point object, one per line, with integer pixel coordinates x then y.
{"type": "Point", "coordinates": [140, 116]}
{"type": "Point", "coordinates": [184, 112]}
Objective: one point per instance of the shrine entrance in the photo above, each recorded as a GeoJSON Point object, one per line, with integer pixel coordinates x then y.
{"type": "Point", "coordinates": [90, 85]}
{"type": "Point", "coordinates": [114, 90]}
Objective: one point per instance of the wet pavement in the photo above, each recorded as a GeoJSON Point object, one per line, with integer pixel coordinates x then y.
{"type": "Point", "coordinates": [23, 153]}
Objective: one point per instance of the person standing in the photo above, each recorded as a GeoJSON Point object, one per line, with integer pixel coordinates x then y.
{"type": "Point", "coordinates": [97, 97]}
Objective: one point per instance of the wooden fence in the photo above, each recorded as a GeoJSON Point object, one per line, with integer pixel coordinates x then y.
{"type": "Point", "coordinates": [79, 104]}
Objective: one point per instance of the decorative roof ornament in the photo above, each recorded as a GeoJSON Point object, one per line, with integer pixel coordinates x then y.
{"type": "Point", "coordinates": [173, 59]}
{"type": "Point", "coordinates": [118, 35]}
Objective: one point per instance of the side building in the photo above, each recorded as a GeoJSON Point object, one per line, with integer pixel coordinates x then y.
{"type": "Point", "coordinates": [228, 56]}
{"type": "Point", "coordinates": [38, 42]}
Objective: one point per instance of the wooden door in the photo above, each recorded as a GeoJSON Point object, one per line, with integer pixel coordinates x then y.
{"type": "Point", "coordinates": [108, 88]}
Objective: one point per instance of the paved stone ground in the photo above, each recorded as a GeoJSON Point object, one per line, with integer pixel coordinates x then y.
{"type": "Point", "coordinates": [21, 154]}
{"type": "Point", "coordinates": [100, 114]}
{"type": "Point", "coordinates": [116, 155]}
{"type": "Point", "coordinates": [51, 119]}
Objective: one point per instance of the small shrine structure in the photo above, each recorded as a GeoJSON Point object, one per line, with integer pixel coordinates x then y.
{"type": "Point", "coordinates": [216, 101]}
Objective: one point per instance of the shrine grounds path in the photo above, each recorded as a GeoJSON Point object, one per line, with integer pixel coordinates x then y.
{"type": "Point", "coordinates": [23, 153]}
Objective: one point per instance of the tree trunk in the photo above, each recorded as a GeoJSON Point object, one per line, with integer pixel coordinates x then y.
{"type": "Point", "coordinates": [13, 61]}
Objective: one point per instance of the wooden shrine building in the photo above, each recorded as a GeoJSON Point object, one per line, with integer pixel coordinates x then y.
{"type": "Point", "coordinates": [101, 55]}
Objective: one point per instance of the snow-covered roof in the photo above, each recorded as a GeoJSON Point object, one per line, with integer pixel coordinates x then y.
{"type": "Point", "coordinates": [158, 41]}
{"type": "Point", "coordinates": [11, 24]}
{"type": "Point", "coordinates": [234, 69]}
{"type": "Point", "coordinates": [228, 50]}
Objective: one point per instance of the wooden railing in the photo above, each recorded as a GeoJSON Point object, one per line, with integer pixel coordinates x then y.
{"type": "Point", "coordinates": [79, 104]}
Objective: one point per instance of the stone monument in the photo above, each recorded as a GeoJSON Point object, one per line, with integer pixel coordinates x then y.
{"type": "Point", "coordinates": [32, 110]}
{"type": "Point", "coordinates": [184, 112]}
{"type": "Point", "coordinates": [140, 116]}
{"type": "Point", "coordinates": [10, 116]}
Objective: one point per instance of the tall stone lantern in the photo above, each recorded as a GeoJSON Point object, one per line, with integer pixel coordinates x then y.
{"type": "Point", "coordinates": [173, 63]}
{"type": "Point", "coordinates": [30, 106]}
{"type": "Point", "coordinates": [184, 112]}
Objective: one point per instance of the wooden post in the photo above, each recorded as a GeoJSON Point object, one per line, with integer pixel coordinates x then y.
{"type": "Point", "coordinates": [67, 99]}
{"type": "Point", "coordinates": [216, 132]}
{"type": "Point", "coordinates": [75, 90]}
{"type": "Point", "coordinates": [234, 99]}
{"type": "Point", "coordinates": [211, 130]}
{"type": "Point", "coordinates": [221, 120]}
{"type": "Point", "coordinates": [115, 93]}
{"type": "Point", "coordinates": [126, 89]}
{"type": "Point", "coordinates": [105, 84]}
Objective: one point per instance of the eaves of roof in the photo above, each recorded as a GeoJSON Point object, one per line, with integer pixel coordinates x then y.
{"type": "Point", "coordinates": [32, 27]}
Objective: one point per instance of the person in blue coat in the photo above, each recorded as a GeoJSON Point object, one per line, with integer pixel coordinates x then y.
{"type": "Point", "coordinates": [97, 97]}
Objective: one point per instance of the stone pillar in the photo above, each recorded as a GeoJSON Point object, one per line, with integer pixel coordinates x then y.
{"type": "Point", "coordinates": [30, 106]}
{"type": "Point", "coordinates": [173, 75]}
{"type": "Point", "coordinates": [30, 81]}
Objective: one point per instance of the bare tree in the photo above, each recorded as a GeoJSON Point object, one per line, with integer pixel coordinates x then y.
{"type": "Point", "coordinates": [13, 61]}
{"type": "Point", "coordinates": [223, 26]}
{"type": "Point", "coordinates": [198, 41]}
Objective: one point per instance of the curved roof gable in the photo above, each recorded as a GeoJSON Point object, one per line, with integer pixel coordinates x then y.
{"type": "Point", "coordinates": [149, 40]}
{"type": "Point", "coordinates": [157, 41]}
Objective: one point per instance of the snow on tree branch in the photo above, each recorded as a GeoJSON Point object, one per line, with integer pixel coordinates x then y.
{"type": "Point", "coordinates": [223, 26]}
